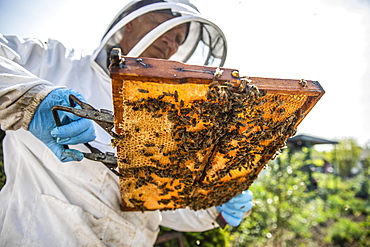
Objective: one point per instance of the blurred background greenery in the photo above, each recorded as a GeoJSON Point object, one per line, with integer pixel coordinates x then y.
{"type": "Point", "coordinates": [2, 173]}
{"type": "Point", "coordinates": [304, 197]}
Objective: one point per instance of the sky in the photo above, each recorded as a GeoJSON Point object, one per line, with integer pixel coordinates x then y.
{"type": "Point", "coordinates": [321, 40]}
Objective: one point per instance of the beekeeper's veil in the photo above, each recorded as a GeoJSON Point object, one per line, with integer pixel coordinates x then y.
{"type": "Point", "coordinates": [205, 43]}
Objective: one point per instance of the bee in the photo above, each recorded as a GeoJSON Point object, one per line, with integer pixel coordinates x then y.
{"type": "Point", "coordinates": [303, 82]}
{"type": "Point", "coordinates": [161, 148]}
{"type": "Point", "coordinates": [235, 74]}
{"type": "Point", "coordinates": [218, 73]}
{"type": "Point", "coordinates": [281, 111]}
{"type": "Point", "coordinates": [167, 94]}
{"type": "Point", "coordinates": [244, 84]}
{"type": "Point", "coordinates": [228, 84]}
{"type": "Point", "coordinates": [176, 96]}
{"type": "Point", "coordinates": [213, 84]}
{"type": "Point", "coordinates": [142, 90]}
{"type": "Point", "coordinates": [172, 106]}
{"type": "Point", "coordinates": [125, 161]}
{"type": "Point", "coordinates": [157, 115]}
{"type": "Point", "coordinates": [263, 93]}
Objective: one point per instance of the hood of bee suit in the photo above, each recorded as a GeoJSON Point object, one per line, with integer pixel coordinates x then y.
{"type": "Point", "coordinates": [205, 43]}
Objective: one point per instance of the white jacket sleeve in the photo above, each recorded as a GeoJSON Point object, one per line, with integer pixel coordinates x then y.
{"type": "Point", "coordinates": [20, 91]}
{"type": "Point", "coordinates": [186, 220]}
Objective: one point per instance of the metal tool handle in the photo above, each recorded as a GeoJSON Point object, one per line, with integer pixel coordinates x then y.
{"type": "Point", "coordinates": [57, 122]}
{"type": "Point", "coordinates": [108, 159]}
{"type": "Point", "coordinates": [221, 222]}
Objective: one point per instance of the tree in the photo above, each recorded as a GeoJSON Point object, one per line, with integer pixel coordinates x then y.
{"type": "Point", "coordinates": [346, 155]}
{"type": "Point", "coordinates": [282, 212]}
{"type": "Point", "coordinates": [365, 185]}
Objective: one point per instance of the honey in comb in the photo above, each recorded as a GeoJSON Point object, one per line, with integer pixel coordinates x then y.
{"type": "Point", "coordinates": [195, 136]}
{"type": "Point", "coordinates": [197, 145]}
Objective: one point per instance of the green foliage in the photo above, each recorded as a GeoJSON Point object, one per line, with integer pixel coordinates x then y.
{"type": "Point", "coordinates": [2, 173]}
{"type": "Point", "coordinates": [364, 191]}
{"type": "Point", "coordinates": [281, 212]}
{"type": "Point", "coordinates": [366, 162]}
{"type": "Point", "coordinates": [287, 212]}
{"type": "Point", "coordinates": [346, 232]}
{"type": "Point", "coordinates": [212, 238]}
{"type": "Point", "coordinates": [345, 156]}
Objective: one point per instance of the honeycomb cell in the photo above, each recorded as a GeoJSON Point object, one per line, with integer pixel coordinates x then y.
{"type": "Point", "coordinates": [197, 145]}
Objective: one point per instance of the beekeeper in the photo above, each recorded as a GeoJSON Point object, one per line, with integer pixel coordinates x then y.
{"type": "Point", "coordinates": [53, 196]}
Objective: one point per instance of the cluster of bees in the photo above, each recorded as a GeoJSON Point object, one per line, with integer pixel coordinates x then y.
{"type": "Point", "coordinates": [208, 150]}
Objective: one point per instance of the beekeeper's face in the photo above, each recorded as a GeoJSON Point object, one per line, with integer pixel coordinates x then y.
{"type": "Point", "coordinates": [164, 47]}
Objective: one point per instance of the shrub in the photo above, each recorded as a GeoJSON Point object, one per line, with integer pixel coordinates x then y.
{"type": "Point", "coordinates": [345, 233]}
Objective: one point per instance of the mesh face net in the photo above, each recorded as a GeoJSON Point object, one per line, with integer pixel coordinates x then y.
{"type": "Point", "coordinates": [198, 140]}
{"type": "Point", "coordinates": [205, 43]}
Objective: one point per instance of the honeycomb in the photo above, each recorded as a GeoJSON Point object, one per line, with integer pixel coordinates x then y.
{"type": "Point", "coordinates": [199, 143]}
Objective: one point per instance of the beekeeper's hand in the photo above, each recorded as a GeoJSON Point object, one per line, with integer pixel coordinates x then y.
{"type": "Point", "coordinates": [74, 129]}
{"type": "Point", "coordinates": [233, 211]}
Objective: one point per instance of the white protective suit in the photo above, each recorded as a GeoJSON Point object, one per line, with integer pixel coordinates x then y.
{"type": "Point", "coordinates": [46, 202]}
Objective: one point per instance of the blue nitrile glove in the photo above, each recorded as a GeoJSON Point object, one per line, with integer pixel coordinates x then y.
{"type": "Point", "coordinates": [74, 129]}
{"type": "Point", "coordinates": [233, 210]}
